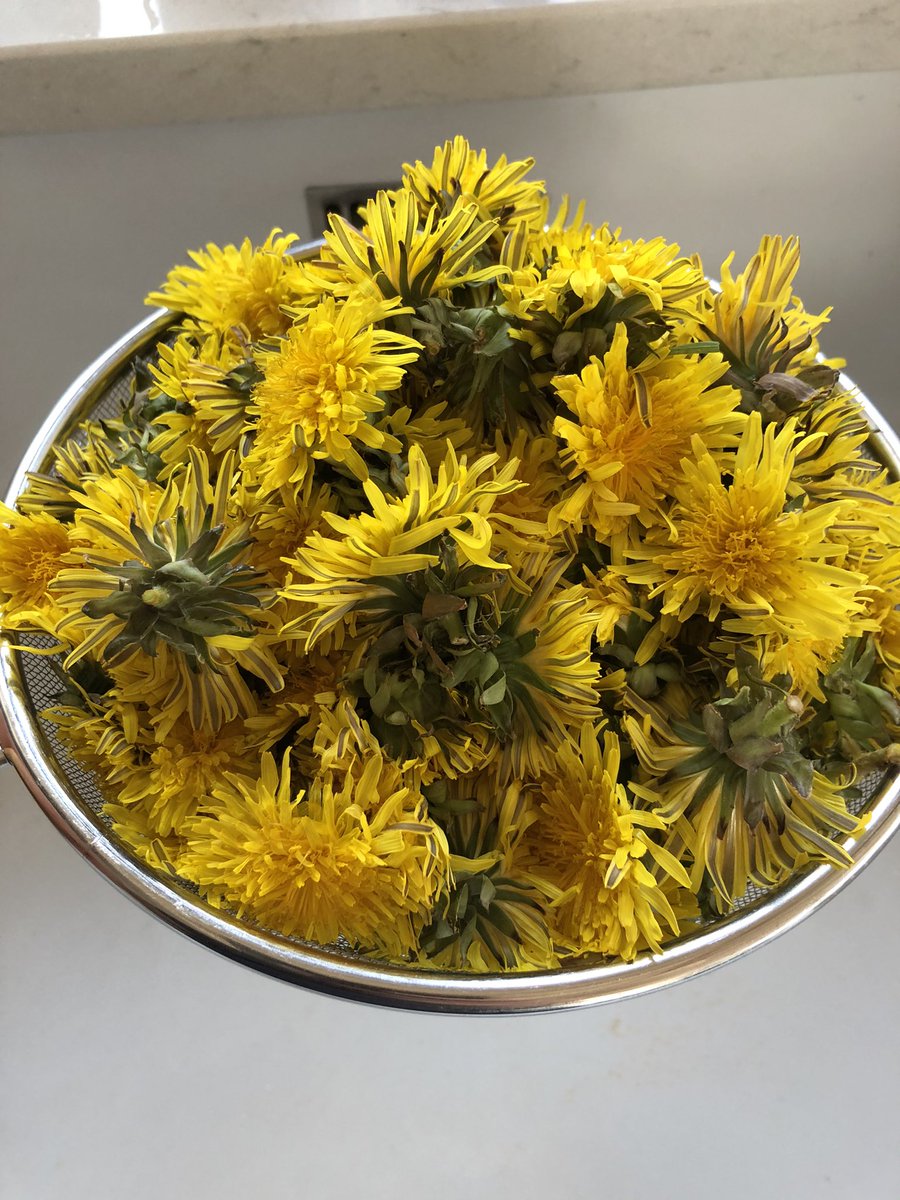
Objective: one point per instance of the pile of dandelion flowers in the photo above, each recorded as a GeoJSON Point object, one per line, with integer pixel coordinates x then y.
{"type": "Point", "coordinates": [631, 430]}
{"type": "Point", "coordinates": [387, 549]}
{"type": "Point", "coordinates": [321, 385]}
{"type": "Point", "coordinates": [749, 550]}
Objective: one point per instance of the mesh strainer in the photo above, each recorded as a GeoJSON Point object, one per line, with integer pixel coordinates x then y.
{"type": "Point", "coordinates": [71, 799]}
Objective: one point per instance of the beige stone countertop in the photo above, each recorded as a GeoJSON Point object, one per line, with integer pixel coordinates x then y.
{"type": "Point", "coordinates": [101, 64]}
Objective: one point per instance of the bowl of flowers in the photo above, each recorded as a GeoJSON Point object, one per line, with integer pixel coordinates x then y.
{"type": "Point", "coordinates": [476, 610]}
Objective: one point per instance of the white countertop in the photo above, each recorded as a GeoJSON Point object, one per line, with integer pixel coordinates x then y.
{"type": "Point", "coordinates": [93, 64]}
{"type": "Point", "coordinates": [134, 1064]}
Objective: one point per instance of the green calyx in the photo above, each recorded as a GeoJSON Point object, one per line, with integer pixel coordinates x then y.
{"type": "Point", "coordinates": [449, 658]}
{"type": "Point", "coordinates": [480, 907]}
{"type": "Point", "coordinates": [483, 906]}
{"type": "Point", "coordinates": [645, 676]}
{"type": "Point", "coordinates": [858, 716]}
{"type": "Point", "coordinates": [183, 593]}
{"type": "Point", "coordinates": [477, 358]}
{"type": "Point", "coordinates": [129, 435]}
{"type": "Point", "coordinates": [747, 745]}
{"type": "Point", "coordinates": [575, 340]}
{"type": "Point", "coordinates": [83, 684]}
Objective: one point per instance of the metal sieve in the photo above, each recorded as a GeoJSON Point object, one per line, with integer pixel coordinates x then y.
{"type": "Point", "coordinates": [71, 798]}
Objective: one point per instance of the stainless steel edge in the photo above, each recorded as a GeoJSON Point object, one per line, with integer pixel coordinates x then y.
{"type": "Point", "coordinates": [78, 399]}
{"type": "Point", "coordinates": [362, 979]}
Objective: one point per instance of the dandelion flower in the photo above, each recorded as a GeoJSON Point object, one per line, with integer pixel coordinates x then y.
{"type": "Point", "coordinates": [33, 551]}
{"type": "Point", "coordinates": [164, 593]}
{"type": "Point", "coordinates": [551, 677]}
{"type": "Point", "coordinates": [320, 868]}
{"type": "Point", "coordinates": [756, 317]}
{"type": "Point", "coordinates": [396, 254]}
{"type": "Point", "coordinates": [181, 772]}
{"type": "Point", "coordinates": [631, 430]}
{"type": "Point", "coordinates": [491, 918]}
{"type": "Point", "coordinates": [344, 575]}
{"type": "Point", "coordinates": [321, 386]}
{"type": "Point", "coordinates": [734, 784]}
{"type": "Point", "coordinates": [209, 398]}
{"type": "Point", "coordinates": [501, 192]}
{"type": "Point", "coordinates": [595, 855]}
{"type": "Point", "coordinates": [741, 548]}
{"type": "Point", "coordinates": [281, 522]}
{"type": "Point", "coordinates": [579, 283]}
{"type": "Point", "coordinates": [231, 287]}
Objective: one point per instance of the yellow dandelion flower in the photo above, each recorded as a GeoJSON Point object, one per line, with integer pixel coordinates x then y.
{"type": "Point", "coordinates": [803, 661]}
{"type": "Point", "coordinates": [611, 599]}
{"type": "Point", "coordinates": [446, 750]}
{"type": "Point", "coordinates": [281, 522]}
{"type": "Point", "coordinates": [595, 857]}
{"type": "Point", "coordinates": [209, 412]}
{"type": "Point", "coordinates": [756, 315]}
{"type": "Point", "coordinates": [137, 832]}
{"type": "Point", "coordinates": [181, 771]}
{"type": "Point", "coordinates": [871, 515]}
{"type": "Point", "coordinates": [631, 430]}
{"type": "Point", "coordinates": [320, 868]}
{"type": "Point", "coordinates": [346, 573]}
{"type": "Point", "coordinates": [742, 549]}
{"type": "Point", "coordinates": [834, 433]}
{"type": "Point", "coordinates": [154, 556]}
{"type": "Point", "coordinates": [522, 516]}
{"type": "Point", "coordinates": [210, 699]}
{"type": "Point", "coordinates": [109, 739]}
{"type": "Point", "coordinates": [233, 287]}
{"type": "Point", "coordinates": [397, 255]}
{"type": "Point", "coordinates": [58, 491]}
{"type": "Point", "coordinates": [551, 676]}
{"type": "Point", "coordinates": [175, 364]}
{"type": "Point", "coordinates": [321, 386]}
{"type": "Point", "coordinates": [743, 800]}
{"type": "Point", "coordinates": [581, 270]}
{"type": "Point", "coordinates": [105, 737]}
{"type": "Point", "coordinates": [881, 568]}
{"type": "Point", "coordinates": [431, 429]}
{"type": "Point", "coordinates": [459, 173]}
{"type": "Point", "coordinates": [300, 710]}
{"type": "Point", "coordinates": [610, 264]}
{"type": "Point", "coordinates": [33, 551]}
{"type": "Point", "coordinates": [163, 593]}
